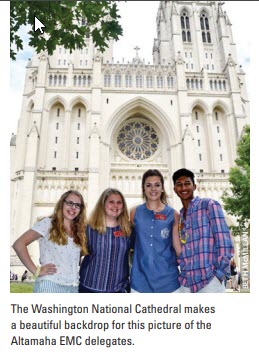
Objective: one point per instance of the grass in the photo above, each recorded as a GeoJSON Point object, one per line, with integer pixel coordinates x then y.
{"type": "Point", "coordinates": [18, 287]}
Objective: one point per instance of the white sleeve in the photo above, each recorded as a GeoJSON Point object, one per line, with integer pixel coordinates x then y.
{"type": "Point", "coordinates": [42, 226]}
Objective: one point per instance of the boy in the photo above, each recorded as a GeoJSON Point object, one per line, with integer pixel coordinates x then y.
{"type": "Point", "coordinates": [207, 247]}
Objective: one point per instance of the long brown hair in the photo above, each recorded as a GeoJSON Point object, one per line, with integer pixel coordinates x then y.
{"type": "Point", "coordinates": [57, 230]}
{"type": "Point", "coordinates": [151, 173]}
{"type": "Point", "coordinates": [97, 219]}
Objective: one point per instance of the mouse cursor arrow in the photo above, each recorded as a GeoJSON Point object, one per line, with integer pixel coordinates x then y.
{"type": "Point", "coordinates": [38, 25]}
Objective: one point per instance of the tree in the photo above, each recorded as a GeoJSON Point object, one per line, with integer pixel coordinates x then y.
{"type": "Point", "coordinates": [237, 202]}
{"type": "Point", "coordinates": [67, 23]}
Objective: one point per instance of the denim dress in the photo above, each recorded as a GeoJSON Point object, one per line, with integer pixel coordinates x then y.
{"type": "Point", "coordinates": [154, 268]}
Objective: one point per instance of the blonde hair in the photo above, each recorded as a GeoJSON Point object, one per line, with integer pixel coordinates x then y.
{"type": "Point", "coordinates": [57, 230]}
{"type": "Point", "coordinates": [97, 219]}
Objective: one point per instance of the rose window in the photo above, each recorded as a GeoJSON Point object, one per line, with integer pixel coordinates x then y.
{"type": "Point", "coordinates": [137, 141]}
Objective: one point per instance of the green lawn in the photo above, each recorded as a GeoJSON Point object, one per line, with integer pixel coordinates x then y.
{"type": "Point", "coordinates": [18, 287]}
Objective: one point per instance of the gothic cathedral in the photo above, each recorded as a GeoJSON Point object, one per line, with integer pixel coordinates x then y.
{"type": "Point", "coordinates": [88, 123]}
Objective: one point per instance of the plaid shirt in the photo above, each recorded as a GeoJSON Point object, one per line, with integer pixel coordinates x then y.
{"type": "Point", "coordinates": [207, 246]}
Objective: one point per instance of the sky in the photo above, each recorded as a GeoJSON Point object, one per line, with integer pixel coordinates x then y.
{"type": "Point", "coordinates": [138, 19]}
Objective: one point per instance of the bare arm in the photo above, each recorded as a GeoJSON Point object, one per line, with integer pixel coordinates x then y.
{"type": "Point", "coordinates": [132, 214]}
{"type": "Point", "coordinates": [21, 248]}
{"type": "Point", "coordinates": [176, 239]}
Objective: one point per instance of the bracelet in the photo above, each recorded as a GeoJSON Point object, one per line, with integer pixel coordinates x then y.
{"type": "Point", "coordinates": [37, 272]}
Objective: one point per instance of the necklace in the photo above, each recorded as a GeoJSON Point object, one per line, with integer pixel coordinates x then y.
{"type": "Point", "coordinates": [183, 235]}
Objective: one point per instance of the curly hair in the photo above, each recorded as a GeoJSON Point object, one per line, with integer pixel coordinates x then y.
{"type": "Point", "coordinates": [57, 230]}
{"type": "Point", "coordinates": [97, 219]}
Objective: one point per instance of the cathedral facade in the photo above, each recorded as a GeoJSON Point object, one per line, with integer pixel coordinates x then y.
{"type": "Point", "coordinates": [88, 123]}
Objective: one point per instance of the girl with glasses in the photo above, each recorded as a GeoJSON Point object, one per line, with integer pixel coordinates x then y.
{"type": "Point", "coordinates": [61, 240]}
{"type": "Point", "coordinates": [106, 268]}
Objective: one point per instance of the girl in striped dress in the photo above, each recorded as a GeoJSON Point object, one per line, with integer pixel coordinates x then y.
{"type": "Point", "coordinates": [106, 268]}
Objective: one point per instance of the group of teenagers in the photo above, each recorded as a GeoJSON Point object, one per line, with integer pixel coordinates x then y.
{"type": "Point", "coordinates": [186, 252]}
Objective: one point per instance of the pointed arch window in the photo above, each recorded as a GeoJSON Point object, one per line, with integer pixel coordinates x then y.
{"type": "Point", "coordinates": [107, 79]}
{"type": "Point", "coordinates": [149, 80]}
{"type": "Point", "coordinates": [160, 81]}
{"type": "Point", "coordinates": [79, 80]}
{"type": "Point", "coordinates": [170, 81]}
{"type": "Point", "coordinates": [75, 80]}
{"type": "Point", "coordinates": [117, 79]}
{"type": "Point", "coordinates": [128, 80]}
{"type": "Point", "coordinates": [55, 80]}
{"type": "Point", "coordinates": [139, 80]}
{"type": "Point", "coordinates": [185, 25]}
{"type": "Point", "coordinates": [64, 80]}
{"type": "Point", "coordinates": [88, 80]}
{"type": "Point", "coordinates": [50, 80]}
{"type": "Point", "coordinates": [60, 80]}
{"type": "Point", "coordinates": [204, 21]}
{"type": "Point", "coordinates": [84, 80]}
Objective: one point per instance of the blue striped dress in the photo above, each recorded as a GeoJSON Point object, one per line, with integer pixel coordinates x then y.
{"type": "Point", "coordinates": [106, 269]}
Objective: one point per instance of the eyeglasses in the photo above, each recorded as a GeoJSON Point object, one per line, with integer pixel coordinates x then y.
{"type": "Point", "coordinates": [72, 204]}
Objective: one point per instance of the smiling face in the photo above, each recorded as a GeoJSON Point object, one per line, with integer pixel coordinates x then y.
{"type": "Point", "coordinates": [70, 212]}
{"type": "Point", "coordinates": [153, 188]}
{"type": "Point", "coordinates": [185, 188]}
{"type": "Point", "coordinates": [113, 206]}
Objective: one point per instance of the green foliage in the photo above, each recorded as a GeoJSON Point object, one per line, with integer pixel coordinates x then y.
{"type": "Point", "coordinates": [16, 287]}
{"type": "Point", "coordinates": [237, 202]}
{"type": "Point", "coordinates": [63, 24]}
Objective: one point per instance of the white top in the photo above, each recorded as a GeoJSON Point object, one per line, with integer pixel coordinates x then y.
{"type": "Point", "coordinates": [65, 257]}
